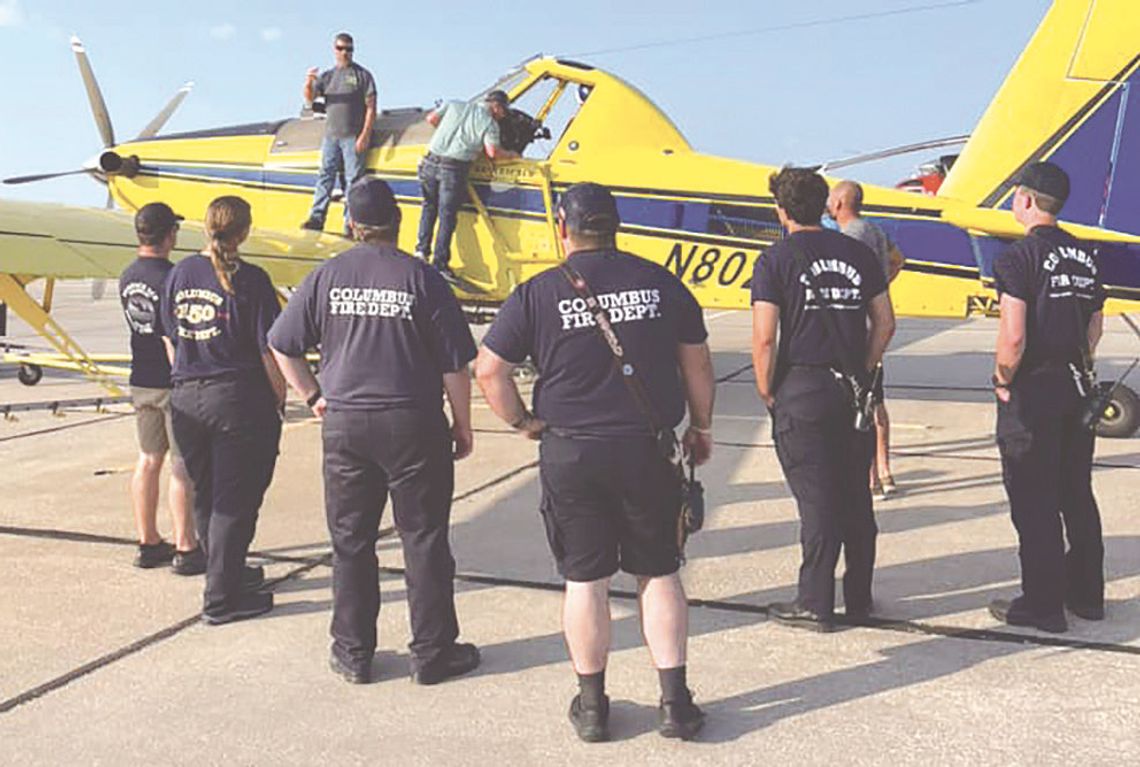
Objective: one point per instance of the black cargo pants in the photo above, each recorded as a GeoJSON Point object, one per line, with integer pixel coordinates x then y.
{"type": "Point", "coordinates": [826, 461]}
{"type": "Point", "coordinates": [1046, 458]}
{"type": "Point", "coordinates": [228, 430]}
{"type": "Point", "coordinates": [368, 455]}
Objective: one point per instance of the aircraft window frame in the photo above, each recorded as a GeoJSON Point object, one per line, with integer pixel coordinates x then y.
{"type": "Point", "coordinates": [563, 86]}
{"type": "Point", "coordinates": [507, 82]}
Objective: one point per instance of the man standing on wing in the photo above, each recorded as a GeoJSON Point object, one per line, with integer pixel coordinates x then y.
{"type": "Point", "coordinates": [350, 111]}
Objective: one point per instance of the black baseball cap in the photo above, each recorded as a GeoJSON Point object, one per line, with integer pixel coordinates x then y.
{"type": "Point", "coordinates": [372, 203]}
{"type": "Point", "coordinates": [155, 219]}
{"type": "Point", "coordinates": [497, 97]}
{"type": "Point", "coordinates": [589, 207]}
{"type": "Point", "coordinates": [1046, 178]}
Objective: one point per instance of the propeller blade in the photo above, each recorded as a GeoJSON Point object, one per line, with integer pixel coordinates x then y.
{"type": "Point", "coordinates": [893, 152]}
{"type": "Point", "coordinates": [154, 126]}
{"type": "Point", "coordinates": [43, 176]}
{"type": "Point", "coordinates": [94, 95]}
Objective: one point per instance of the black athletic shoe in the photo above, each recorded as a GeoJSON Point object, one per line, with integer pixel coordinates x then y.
{"type": "Point", "coordinates": [591, 724]}
{"type": "Point", "coordinates": [680, 719]}
{"type": "Point", "coordinates": [249, 605]}
{"type": "Point", "coordinates": [791, 614]}
{"type": "Point", "coordinates": [456, 660]}
{"type": "Point", "coordinates": [857, 613]}
{"type": "Point", "coordinates": [192, 562]}
{"type": "Point", "coordinates": [252, 576]}
{"type": "Point", "coordinates": [151, 555]}
{"type": "Point", "coordinates": [313, 225]}
{"type": "Point", "coordinates": [1088, 612]}
{"type": "Point", "coordinates": [1016, 613]}
{"type": "Point", "coordinates": [350, 674]}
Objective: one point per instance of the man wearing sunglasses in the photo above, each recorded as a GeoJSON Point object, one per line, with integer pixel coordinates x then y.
{"type": "Point", "coordinates": [349, 92]}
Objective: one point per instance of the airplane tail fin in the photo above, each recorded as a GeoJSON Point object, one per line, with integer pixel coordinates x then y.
{"type": "Point", "coordinates": [1072, 98]}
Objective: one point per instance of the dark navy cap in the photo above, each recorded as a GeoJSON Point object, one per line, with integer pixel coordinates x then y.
{"type": "Point", "coordinates": [155, 219]}
{"type": "Point", "coordinates": [1047, 178]}
{"type": "Point", "coordinates": [497, 97]}
{"type": "Point", "coordinates": [589, 207]}
{"type": "Point", "coordinates": [371, 202]}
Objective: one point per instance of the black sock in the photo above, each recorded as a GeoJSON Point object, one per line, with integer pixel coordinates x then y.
{"type": "Point", "coordinates": [593, 687]}
{"type": "Point", "coordinates": [673, 687]}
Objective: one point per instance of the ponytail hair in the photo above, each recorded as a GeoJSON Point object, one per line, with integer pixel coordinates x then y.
{"type": "Point", "coordinates": [228, 220]}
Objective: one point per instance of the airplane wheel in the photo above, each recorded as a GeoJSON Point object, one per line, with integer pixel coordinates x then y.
{"type": "Point", "coordinates": [1122, 415]}
{"type": "Point", "coordinates": [30, 375]}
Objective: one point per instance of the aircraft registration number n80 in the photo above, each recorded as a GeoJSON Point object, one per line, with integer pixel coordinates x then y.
{"type": "Point", "coordinates": [712, 265]}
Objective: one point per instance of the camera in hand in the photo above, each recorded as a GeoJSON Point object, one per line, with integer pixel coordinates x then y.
{"type": "Point", "coordinates": [518, 130]}
{"type": "Point", "coordinates": [862, 391]}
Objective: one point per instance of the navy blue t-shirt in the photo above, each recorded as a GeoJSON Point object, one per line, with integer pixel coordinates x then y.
{"type": "Point", "coordinates": [215, 333]}
{"type": "Point", "coordinates": [846, 271]}
{"type": "Point", "coordinates": [579, 388]}
{"type": "Point", "coordinates": [1057, 276]}
{"type": "Point", "coordinates": [140, 290]}
{"type": "Point", "coordinates": [387, 325]}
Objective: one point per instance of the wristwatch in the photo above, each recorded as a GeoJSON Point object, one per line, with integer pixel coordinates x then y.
{"type": "Point", "coordinates": [314, 397]}
{"type": "Point", "coordinates": [997, 382]}
{"type": "Point", "coordinates": [522, 420]}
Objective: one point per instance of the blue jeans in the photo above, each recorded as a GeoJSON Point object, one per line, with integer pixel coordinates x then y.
{"type": "Point", "coordinates": [444, 185]}
{"type": "Point", "coordinates": [335, 152]}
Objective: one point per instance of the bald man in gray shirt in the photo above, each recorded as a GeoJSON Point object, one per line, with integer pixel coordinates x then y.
{"type": "Point", "coordinates": [844, 204]}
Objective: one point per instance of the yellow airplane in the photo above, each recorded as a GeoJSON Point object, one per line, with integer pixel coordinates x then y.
{"type": "Point", "coordinates": [1072, 97]}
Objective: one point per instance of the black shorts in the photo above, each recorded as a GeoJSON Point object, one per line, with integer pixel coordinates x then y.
{"type": "Point", "coordinates": [609, 503]}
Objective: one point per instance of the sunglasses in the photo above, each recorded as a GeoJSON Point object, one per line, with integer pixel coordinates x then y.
{"type": "Point", "coordinates": [346, 48]}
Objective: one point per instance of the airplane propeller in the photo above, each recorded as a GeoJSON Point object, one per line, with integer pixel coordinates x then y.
{"type": "Point", "coordinates": [45, 176]}
{"type": "Point", "coordinates": [99, 168]}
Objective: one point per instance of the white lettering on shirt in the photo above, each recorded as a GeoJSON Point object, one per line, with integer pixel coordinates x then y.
{"type": "Point", "coordinates": [1062, 285]}
{"type": "Point", "coordinates": [623, 306]}
{"type": "Point", "coordinates": [845, 297]}
{"type": "Point", "coordinates": [370, 302]}
{"type": "Point", "coordinates": [197, 306]}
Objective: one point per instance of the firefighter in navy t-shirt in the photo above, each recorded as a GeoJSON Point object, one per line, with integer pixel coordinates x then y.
{"type": "Point", "coordinates": [140, 290]}
{"type": "Point", "coordinates": [1051, 319]}
{"type": "Point", "coordinates": [392, 340]}
{"type": "Point", "coordinates": [825, 459]}
{"type": "Point", "coordinates": [610, 499]}
{"type": "Point", "coordinates": [216, 311]}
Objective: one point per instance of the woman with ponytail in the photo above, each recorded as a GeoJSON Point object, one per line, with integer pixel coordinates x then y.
{"type": "Point", "coordinates": [228, 395]}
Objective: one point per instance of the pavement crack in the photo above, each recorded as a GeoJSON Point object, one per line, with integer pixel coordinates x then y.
{"type": "Point", "coordinates": [495, 481]}
{"type": "Point", "coordinates": [54, 429]}
{"type": "Point", "coordinates": [139, 645]}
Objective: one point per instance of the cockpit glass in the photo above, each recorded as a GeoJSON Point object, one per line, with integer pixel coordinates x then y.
{"type": "Point", "coordinates": [507, 82]}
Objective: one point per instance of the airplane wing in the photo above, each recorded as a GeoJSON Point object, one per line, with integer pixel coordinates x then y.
{"type": "Point", "coordinates": [67, 242]}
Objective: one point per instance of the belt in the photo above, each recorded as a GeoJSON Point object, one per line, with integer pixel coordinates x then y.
{"type": "Point", "coordinates": [431, 157]}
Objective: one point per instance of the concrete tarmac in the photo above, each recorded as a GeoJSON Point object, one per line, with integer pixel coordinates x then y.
{"type": "Point", "coordinates": [107, 664]}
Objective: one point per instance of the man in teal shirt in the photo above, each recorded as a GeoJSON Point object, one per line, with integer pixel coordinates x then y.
{"type": "Point", "coordinates": [464, 130]}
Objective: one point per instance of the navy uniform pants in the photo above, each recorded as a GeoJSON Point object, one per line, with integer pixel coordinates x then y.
{"type": "Point", "coordinates": [826, 461]}
{"type": "Point", "coordinates": [369, 455]}
{"type": "Point", "coordinates": [228, 431]}
{"type": "Point", "coordinates": [1046, 458]}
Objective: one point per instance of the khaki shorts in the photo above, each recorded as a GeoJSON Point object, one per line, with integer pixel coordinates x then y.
{"type": "Point", "coordinates": [152, 419]}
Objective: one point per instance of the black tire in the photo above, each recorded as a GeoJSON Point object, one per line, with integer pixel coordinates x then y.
{"type": "Point", "coordinates": [1122, 416]}
{"type": "Point", "coordinates": [29, 374]}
